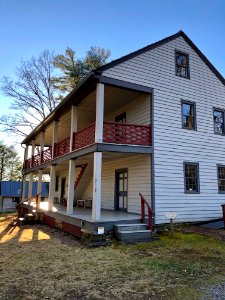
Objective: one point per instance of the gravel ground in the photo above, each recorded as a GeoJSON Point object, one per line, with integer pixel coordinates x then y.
{"type": "Point", "coordinates": [215, 292]}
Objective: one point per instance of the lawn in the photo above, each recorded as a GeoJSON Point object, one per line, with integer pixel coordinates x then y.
{"type": "Point", "coordinates": [37, 262]}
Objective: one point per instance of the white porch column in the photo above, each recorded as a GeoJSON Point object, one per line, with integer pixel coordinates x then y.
{"type": "Point", "coordinates": [25, 155]}
{"type": "Point", "coordinates": [99, 113]}
{"type": "Point", "coordinates": [23, 188]}
{"type": "Point", "coordinates": [71, 180]}
{"type": "Point", "coordinates": [97, 174]}
{"type": "Point", "coordinates": [32, 151]}
{"type": "Point", "coordinates": [54, 136]}
{"type": "Point", "coordinates": [30, 187]}
{"type": "Point", "coordinates": [73, 125]}
{"type": "Point", "coordinates": [39, 187]}
{"type": "Point", "coordinates": [51, 187]}
{"type": "Point", "coordinates": [26, 152]}
{"type": "Point", "coordinates": [42, 145]}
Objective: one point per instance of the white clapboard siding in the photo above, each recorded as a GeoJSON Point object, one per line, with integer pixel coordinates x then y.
{"type": "Point", "coordinates": [139, 178]}
{"type": "Point", "coordinates": [137, 111]}
{"type": "Point", "coordinates": [172, 144]}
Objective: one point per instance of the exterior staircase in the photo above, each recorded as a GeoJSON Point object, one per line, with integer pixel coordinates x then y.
{"type": "Point", "coordinates": [83, 179]}
{"type": "Point", "coordinates": [133, 233]}
{"type": "Point", "coordinates": [29, 218]}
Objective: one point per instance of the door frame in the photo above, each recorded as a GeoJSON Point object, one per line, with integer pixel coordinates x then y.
{"type": "Point", "coordinates": [116, 201]}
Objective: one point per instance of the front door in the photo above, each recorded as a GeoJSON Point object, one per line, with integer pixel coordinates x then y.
{"type": "Point", "coordinates": [63, 186]}
{"type": "Point", "coordinates": [121, 190]}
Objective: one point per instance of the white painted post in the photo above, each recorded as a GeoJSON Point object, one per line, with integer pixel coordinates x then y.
{"type": "Point", "coordinates": [42, 145]}
{"type": "Point", "coordinates": [51, 187]}
{"type": "Point", "coordinates": [99, 113]}
{"type": "Point", "coordinates": [30, 187]}
{"type": "Point", "coordinates": [71, 180]}
{"type": "Point", "coordinates": [54, 136]}
{"type": "Point", "coordinates": [97, 174]}
{"type": "Point", "coordinates": [23, 188]}
{"type": "Point", "coordinates": [73, 125]}
{"type": "Point", "coordinates": [39, 187]}
{"type": "Point", "coordinates": [26, 152]}
{"type": "Point", "coordinates": [32, 151]}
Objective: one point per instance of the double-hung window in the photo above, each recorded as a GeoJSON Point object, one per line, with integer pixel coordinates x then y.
{"type": "Point", "coordinates": [191, 177]}
{"type": "Point", "coordinates": [188, 110]}
{"type": "Point", "coordinates": [218, 117]}
{"type": "Point", "coordinates": [182, 64]}
{"type": "Point", "coordinates": [221, 178]}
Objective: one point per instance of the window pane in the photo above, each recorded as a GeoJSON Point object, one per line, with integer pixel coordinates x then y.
{"type": "Point", "coordinates": [181, 65]}
{"type": "Point", "coordinates": [221, 179]}
{"type": "Point", "coordinates": [188, 115]}
{"type": "Point", "coordinates": [191, 178]}
{"type": "Point", "coordinates": [218, 121]}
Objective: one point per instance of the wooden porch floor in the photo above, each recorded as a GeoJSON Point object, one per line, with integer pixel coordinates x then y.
{"type": "Point", "coordinates": [86, 214]}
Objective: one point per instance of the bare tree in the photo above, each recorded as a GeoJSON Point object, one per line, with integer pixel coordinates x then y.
{"type": "Point", "coordinates": [33, 94]}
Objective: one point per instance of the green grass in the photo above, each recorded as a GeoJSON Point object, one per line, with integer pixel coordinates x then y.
{"type": "Point", "coordinates": [40, 262]}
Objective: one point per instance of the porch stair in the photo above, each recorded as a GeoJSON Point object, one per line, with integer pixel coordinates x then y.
{"type": "Point", "coordinates": [133, 233]}
{"type": "Point", "coordinates": [83, 179]}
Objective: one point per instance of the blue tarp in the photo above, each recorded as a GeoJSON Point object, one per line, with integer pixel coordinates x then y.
{"type": "Point", "coordinates": [13, 188]}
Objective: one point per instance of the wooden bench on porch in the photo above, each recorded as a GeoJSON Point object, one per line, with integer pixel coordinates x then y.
{"type": "Point", "coordinates": [85, 203]}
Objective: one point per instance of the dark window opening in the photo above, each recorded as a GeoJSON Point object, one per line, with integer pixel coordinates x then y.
{"type": "Point", "coordinates": [182, 65]}
{"type": "Point", "coordinates": [218, 117]}
{"type": "Point", "coordinates": [121, 118]}
{"type": "Point", "coordinates": [57, 183]}
{"type": "Point", "coordinates": [191, 178]}
{"type": "Point", "coordinates": [188, 115]}
{"type": "Point", "coordinates": [221, 179]}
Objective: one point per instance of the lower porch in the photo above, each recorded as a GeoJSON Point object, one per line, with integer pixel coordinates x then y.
{"type": "Point", "coordinates": [81, 218]}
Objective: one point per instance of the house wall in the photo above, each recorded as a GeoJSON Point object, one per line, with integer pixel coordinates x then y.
{"type": "Point", "coordinates": [172, 144]}
{"type": "Point", "coordinates": [137, 111]}
{"type": "Point", "coordinates": [139, 178]}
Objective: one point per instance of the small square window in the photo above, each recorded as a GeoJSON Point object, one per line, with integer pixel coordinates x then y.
{"type": "Point", "coordinates": [188, 115]}
{"type": "Point", "coordinates": [221, 179]}
{"type": "Point", "coordinates": [182, 64]}
{"type": "Point", "coordinates": [191, 178]}
{"type": "Point", "coordinates": [218, 117]}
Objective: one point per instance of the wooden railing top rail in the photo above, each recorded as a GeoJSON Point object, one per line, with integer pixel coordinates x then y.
{"type": "Point", "coordinates": [26, 200]}
{"type": "Point", "coordinates": [127, 124]}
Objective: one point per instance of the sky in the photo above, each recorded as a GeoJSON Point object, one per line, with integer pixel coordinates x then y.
{"type": "Point", "coordinates": [28, 27]}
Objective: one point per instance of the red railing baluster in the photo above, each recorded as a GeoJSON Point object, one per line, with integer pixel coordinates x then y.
{"type": "Point", "coordinates": [119, 133]}
{"type": "Point", "coordinates": [143, 204]}
{"type": "Point", "coordinates": [84, 137]}
{"type": "Point", "coordinates": [62, 148]}
{"type": "Point", "coordinates": [116, 133]}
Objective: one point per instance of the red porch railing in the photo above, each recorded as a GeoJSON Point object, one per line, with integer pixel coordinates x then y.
{"type": "Point", "coordinates": [46, 155]}
{"type": "Point", "coordinates": [119, 133]}
{"type": "Point", "coordinates": [143, 204]}
{"type": "Point", "coordinates": [62, 147]}
{"type": "Point", "coordinates": [36, 160]}
{"type": "Point", "coordinates": [116, 133]}
{"type": "Point", "coordinates": [27, 163]}
{"type": "Point", "coordinates": [84, 137]}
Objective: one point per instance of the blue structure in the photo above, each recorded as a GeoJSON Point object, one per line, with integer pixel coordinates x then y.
{"type": "Point", "coordinates": [13, 189]}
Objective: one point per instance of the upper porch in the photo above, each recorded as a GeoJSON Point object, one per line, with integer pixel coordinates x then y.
{"type": "Point", "coordinates": [109, 117]}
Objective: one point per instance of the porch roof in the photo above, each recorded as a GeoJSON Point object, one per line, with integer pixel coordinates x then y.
{"type": "Point", "coordinates": [85, 87]}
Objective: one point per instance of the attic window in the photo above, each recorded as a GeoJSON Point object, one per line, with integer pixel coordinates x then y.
{"type": "Point", "coordinates": [182, 64]}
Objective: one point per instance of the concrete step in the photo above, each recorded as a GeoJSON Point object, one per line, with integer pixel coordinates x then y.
{"type": "Point", "coordinates": [130, 227]}
{"type": "Point", "coordinates": [134, 236]}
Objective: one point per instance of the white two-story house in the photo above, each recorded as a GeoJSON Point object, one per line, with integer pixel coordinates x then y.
{"type": "Point", "coordinates": [151, 122]}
